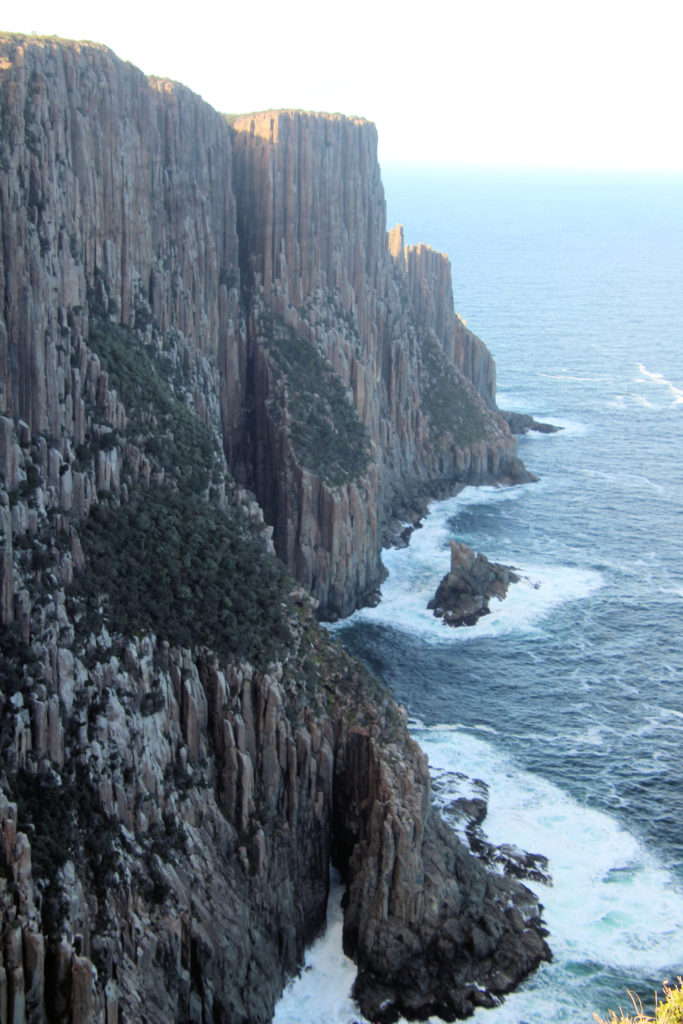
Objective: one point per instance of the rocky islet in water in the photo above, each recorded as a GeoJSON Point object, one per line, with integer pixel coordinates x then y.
{"type": "Point", "coordinates": [464, 593]}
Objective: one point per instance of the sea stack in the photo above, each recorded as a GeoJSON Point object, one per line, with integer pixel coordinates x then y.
{"type": "Point", "coordinates": [464, 594]}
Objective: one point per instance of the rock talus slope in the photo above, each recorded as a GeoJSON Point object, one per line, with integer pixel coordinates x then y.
{"type": "Point", "coordinates": [190, 308]}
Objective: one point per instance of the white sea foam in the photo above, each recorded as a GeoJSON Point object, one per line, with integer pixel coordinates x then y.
{"type": "Point", "coordinates": [622, 479]}
{"type": "Point", "coordinates": [571, 377]}
{"type": "Point", "coordinates": [415, 572]}
{"type": "Point", "coordinates": [604, 879]}
{"type": "Point", "coordinates": [599, 908]}
{"type": "Point", "coordinates": [648, 377]}
{"type": "Point", "coordinates": [321, 991]}
{"type": "Point", "coordinates": [517, 400]}
{"type": "Point", "coordinates": [568, 427]}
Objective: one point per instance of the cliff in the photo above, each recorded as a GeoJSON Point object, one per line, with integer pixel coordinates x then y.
{"type": "Point", "coordinates": [190, 308]}
{"type": "Point", "coordinates": [319, 267]}
{"type": "Point", "coordinates": [431, 292]}
{"type": "Point", "coordinates": [160, 215]}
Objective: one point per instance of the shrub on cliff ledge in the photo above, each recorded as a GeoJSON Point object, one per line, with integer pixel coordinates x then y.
{"type": "Point", "coordinates": [171, 563]}
{"type": "Point", "coordinates": [452, 410]}
{"type": "Point", "coordinates": [327, 435]}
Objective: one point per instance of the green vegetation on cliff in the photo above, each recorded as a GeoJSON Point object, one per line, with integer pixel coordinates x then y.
{"type": "Point", "coordinates": [452, 410]}
{"type": "Point", "coordinates": [328, 436]}
{"type": "Point", "coordinates": [171, 563]}
{"type": "Point", "coordinates": [170, 559]}
{"type": "Point", "coordinates": [159, 421]}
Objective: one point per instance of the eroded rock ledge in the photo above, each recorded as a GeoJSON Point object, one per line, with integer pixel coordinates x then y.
{"type": "Point", "coordinates": [522, 423]}
{"type": "Point", "coordinates": [467, 811]}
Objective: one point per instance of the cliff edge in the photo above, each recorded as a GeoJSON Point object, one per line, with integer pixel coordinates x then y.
{"type": "Point", "coordinates": [210, 352]}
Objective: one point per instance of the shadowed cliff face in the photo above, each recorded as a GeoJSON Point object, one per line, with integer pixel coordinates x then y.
{"type": "Point", "coordinates": [314, 253]}
{"type": "Point", "coordinates": [184, 304]}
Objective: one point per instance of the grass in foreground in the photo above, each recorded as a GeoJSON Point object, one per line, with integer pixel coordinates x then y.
{"type": "Point", "coordinates": [668, 1012]}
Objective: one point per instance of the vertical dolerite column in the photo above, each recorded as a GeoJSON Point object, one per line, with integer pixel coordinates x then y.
{"type": "Point", "coordinates": [116, 190]}
{"type": "Point", "coordinates": [315, 255]}
{"type": "Point", "coordinates": [431, 292]}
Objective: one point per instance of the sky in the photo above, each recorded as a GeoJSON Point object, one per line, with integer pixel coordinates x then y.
{"type": "Point", "coordinates": [587, 84]}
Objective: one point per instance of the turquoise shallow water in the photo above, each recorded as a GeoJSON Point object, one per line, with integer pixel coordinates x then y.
{"type": "Point", "coordinates": [568, 699]}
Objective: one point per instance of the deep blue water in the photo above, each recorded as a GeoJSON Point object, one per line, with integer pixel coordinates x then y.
{"type": "Point", "coordinates": [568, 699]}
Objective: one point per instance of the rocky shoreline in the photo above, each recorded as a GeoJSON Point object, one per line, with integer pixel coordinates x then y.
{"type": "Point", "coordinates": [467, 812]}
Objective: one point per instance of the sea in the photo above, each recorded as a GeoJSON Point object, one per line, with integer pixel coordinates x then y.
{"type": "Point", "coordinates": [567, 699]}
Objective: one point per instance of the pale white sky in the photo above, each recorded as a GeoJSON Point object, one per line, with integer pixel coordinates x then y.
{"type": "Point", "coordinates": [591, 83]}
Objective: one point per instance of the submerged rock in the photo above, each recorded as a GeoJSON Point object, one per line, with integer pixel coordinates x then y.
{"type": "Point", "coordinates": [464, 593]}
{"type": "Point", "coordinates": [522, 423]}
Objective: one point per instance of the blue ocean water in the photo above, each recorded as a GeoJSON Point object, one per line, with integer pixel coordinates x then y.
{"type": "Point", "coordinates": [568, 699]}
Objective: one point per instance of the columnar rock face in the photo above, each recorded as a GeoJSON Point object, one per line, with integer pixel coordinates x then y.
{"type": "Point", "coordinates": [432, 931]}
{"type": "Point", "coordinates": [125, 191]}
{"type": "Point", "coordinates": [111, 182]}
{"type": "Point", "coordinates": [183, 843]}
{"type": "Point", "coordinates": [311, 205]}
{"type": "Point", "coordinates": [188, 306]}
{"type": "Point", "coordinates": [314, 252]}
{"type": "Point", "coordinates": [191, 839]}
{"type": "Point", "coordinates": [431, 292]}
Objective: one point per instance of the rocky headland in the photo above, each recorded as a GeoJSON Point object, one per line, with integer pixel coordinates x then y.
{"type": "Point", "coordinates": [221, 383]}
